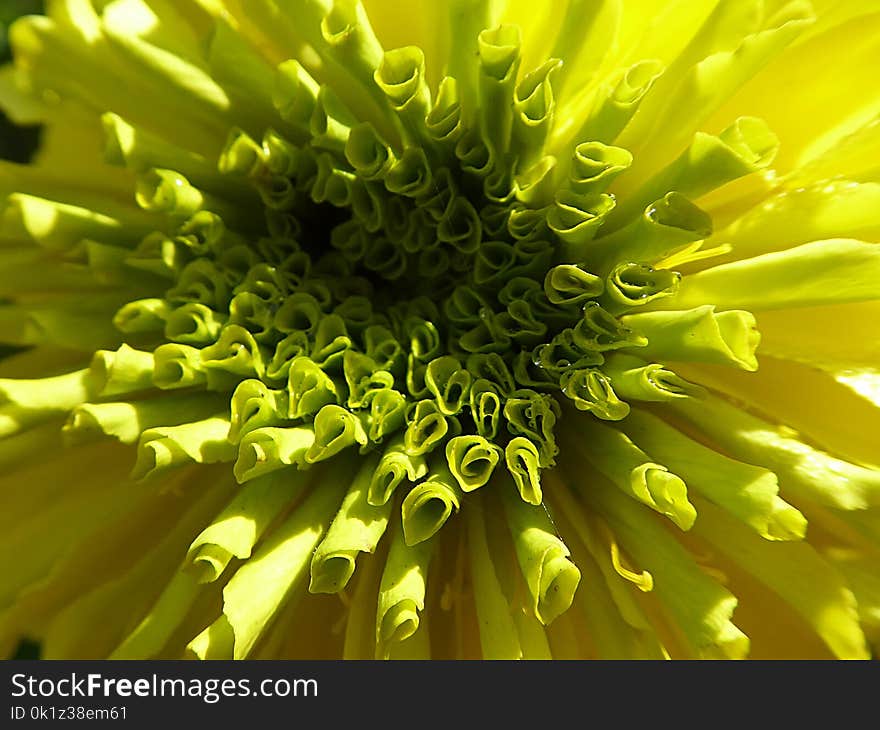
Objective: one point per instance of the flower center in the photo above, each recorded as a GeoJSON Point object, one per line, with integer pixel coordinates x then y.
{"type": "Point", "coordinates": [428, 279]}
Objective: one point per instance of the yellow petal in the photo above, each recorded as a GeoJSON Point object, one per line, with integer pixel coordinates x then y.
{"type": "Point", "coordinates": [810, 401]}
{"type": "Point", "coordinates": [700, 607]}
{"type": "Point", "coordinates": [835, 337]}
{"type": "Point", "coordinates": [836, 105]}
{"type": "Point", "coordinates": [797, 573]}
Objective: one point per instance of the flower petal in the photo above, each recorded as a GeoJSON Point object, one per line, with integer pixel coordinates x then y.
{"type": "Point", "coordinates": [797, 573]}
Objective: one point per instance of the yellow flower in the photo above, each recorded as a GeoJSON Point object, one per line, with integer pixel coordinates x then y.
{"type": "Point", "coordinates": [551, 331]}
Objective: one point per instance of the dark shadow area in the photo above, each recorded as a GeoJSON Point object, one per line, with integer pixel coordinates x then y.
{"type": "Point", "coordinates": [27, 650]}
{"type": "Point", "coordinates": [17, 144]}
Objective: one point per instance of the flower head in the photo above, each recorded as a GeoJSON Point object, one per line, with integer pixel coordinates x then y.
{"type": "Point", "coordinates": [464, 329]}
